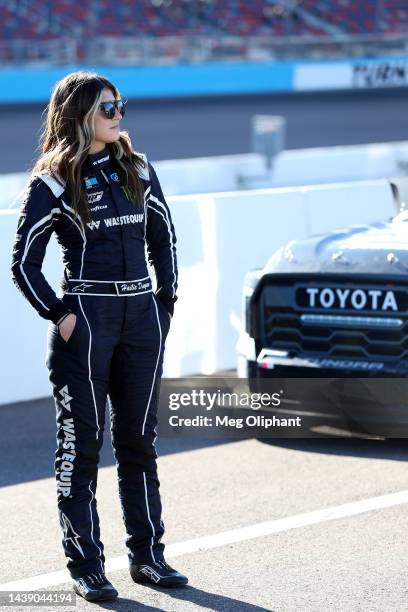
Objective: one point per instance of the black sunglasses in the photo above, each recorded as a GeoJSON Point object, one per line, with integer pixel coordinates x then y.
{"type": "Point", "coordinates": [110, 108]}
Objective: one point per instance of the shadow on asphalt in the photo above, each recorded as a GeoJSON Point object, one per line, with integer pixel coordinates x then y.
{"type": "Point", "coordinates": [204, 599]}
{"type": "Point", "coordinates": [395, 449]}
{"type": "Point", "coordinates": [28, 442]}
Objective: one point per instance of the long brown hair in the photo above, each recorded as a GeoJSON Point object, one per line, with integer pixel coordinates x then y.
{"type": "Point", "coordinates": [68, 133]}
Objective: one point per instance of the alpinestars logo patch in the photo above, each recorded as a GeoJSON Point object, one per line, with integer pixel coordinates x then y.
{"type": "Point", "coordinates": [82, 287]}
{"type": "Point", "coordinates": [70, 535]}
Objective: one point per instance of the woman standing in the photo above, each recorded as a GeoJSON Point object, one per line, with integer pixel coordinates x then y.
{"type": "Point", "coordinates": [107, 333]}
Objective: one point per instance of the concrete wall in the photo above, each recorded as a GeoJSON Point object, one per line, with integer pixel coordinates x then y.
{"type": "Point", "coordinates": [30, 84]}
{"type": "Point", "coordinates": [235, 172]}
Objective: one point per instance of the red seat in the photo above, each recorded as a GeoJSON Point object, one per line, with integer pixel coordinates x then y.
{"type": "Point", "coordinates": [235, 17]}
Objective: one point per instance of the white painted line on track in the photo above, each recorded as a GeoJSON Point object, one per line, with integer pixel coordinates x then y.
{"type": "Point", "coordinates": [228, 537]}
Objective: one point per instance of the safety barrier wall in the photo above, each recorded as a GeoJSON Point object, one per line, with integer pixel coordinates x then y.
{"type": "Point", "coordinates": [34, 85]}
{"type": "Point", "coordinates": [359, 73]}
{"type": "Point", "coordinates": [220, 237]}
{"type": "Point", "coordinates": [291, 168]}
{"type": "Point", "coordinates": [230, 172]}
{"type": "Point", "coordinates": [216, 78]}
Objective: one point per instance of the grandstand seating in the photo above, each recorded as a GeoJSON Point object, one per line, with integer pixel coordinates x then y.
{"type": "Point", "coordinates": [47, 19]}
{"type": "Point", "coordinates": [395, 16]}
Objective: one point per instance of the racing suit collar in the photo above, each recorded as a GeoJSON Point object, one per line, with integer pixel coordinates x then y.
{"type": "Point", "coordinates": [99, 160]}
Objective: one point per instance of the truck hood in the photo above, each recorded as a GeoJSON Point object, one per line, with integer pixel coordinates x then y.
{"type": "Point", "coordinates": [377, 248]}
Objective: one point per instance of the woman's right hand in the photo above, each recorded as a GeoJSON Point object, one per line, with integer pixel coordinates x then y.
{"type": "Point", "coordinates": [66, 326]}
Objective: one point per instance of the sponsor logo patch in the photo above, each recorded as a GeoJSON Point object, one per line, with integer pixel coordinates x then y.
{"type": "Point", "coordinates": [124, 288]}
{"type": "Point", "coordinates": [66, 398]}
{"type": "Point", "coordinates": [112, 221]}
{"type": "Point", "coordinates": [94, 197]}
{"type": "Point", "coordinates": [124, 220]}
{"type": "Point", "coordinates": [128, 193]}
{"type": "Point", "coordinates": [91, 181]}
{"type": "Point", "coordinates": [93, 225]}
{"type": "Point", "coordinates": [98, 162]}
{"type": "Point", "coordinates": [98, 207]}
{"type": "Point", "coordinates": [66, 466]}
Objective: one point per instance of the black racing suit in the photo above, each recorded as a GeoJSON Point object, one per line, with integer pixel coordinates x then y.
{"type": "Point", "coordinates": [115, 350]}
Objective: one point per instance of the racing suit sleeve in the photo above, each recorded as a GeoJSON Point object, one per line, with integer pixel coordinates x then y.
{"type": "Point", "coordinates": [35, 226]}
{"type": "Point", "coordinates": [161, 243]}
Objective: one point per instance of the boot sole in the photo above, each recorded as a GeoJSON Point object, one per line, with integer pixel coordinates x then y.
{"type": "Point", "coordinates": [141, 579]}
{"type": "Point", "coordinates": [95, 597]}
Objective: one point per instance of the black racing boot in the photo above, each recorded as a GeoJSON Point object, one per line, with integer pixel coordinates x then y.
{"type": "Point", "coordinates": [94, 587]}
{"type": "Point", "coordinates": [158, 573]}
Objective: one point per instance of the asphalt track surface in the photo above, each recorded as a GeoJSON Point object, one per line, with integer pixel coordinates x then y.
{"type": "Point", "coordinates": [210, 487]}
{"type": "Point", "coordinates": [353, 562]}
{"type": "Point", "coordinates": [170, 129]}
